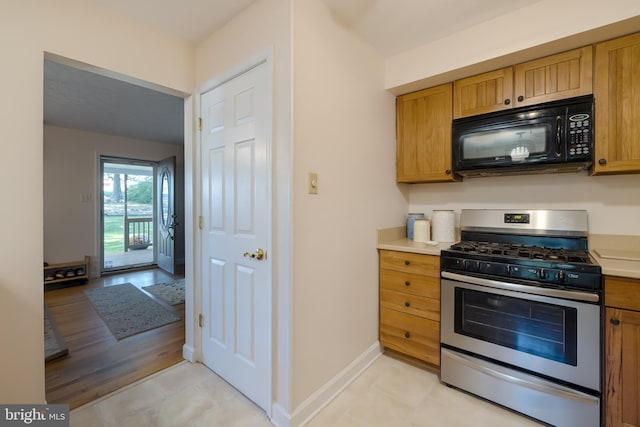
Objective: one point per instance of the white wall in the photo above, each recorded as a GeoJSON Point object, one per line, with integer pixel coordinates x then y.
{"type": "Point", "coordinates": [544, 27]}
{"type": "Point", "coordinates": [71, 169]}
{"type": "Point", "coordinates": [612, 202]}
{"type": "Point", "coordinates": [344, 130]}
{"type": "Point", "coordinates": [87, 32]}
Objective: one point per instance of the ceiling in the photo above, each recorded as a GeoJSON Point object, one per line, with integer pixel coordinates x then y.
{"type": "Point", "coordinates": [83, 99]}
{"type": "Point", "coordinates": [80, 99]}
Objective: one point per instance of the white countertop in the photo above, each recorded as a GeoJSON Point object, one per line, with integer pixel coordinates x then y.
{"type": "Point", "coordinates": [394, 239]}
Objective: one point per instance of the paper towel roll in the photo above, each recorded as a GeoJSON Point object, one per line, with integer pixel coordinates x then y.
{"type": "Point", "coordinates": [444, 227]}
{"type": "Point", "coordinates": [421, 230]}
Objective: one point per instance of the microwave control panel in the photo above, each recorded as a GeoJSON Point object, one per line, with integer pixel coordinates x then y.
{"type": "Point", "coordinates": [579, 133]}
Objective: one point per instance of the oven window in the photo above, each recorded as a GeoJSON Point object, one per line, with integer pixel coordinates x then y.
{"type": "Point", "coordinates": [542, 329]}
{"type": "Point", "coordinates": [516, 142]}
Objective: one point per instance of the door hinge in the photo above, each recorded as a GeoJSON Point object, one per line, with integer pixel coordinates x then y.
{"type": "Point", "coordinates": [201, 222]}
{"type": "Point", "coordinates": [201, 320]}
{"type": "Point", "coordinates": [200, 124]}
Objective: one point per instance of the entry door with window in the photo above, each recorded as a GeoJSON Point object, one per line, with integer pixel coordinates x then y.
{"type": "Point", "coordinates": [167, 217]}
{"type": "Point", "coordinates": [236, 288]}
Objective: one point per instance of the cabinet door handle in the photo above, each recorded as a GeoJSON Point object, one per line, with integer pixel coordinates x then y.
{"type": "Point", "coordinates": [602, 161]}
{"type": "Point", "coordinates": [614, 321]}
{"type": "Point", "coordinates": [407, 262]}
{"type": "Point", "coordinates": [447, 172]}
{"type": "Point", "coordinates": [407, 335]}
{"type": "Point", "coordinates": [507, 101]}
{"type": "Point", "coordinates": [407, 283]}
{"type": "Point", "coordinates": [407, 304]}
{"type": "Point", "coordinates": [520, 98]}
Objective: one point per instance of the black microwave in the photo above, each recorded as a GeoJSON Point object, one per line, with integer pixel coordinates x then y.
{"type": "Point", "coordinates": [551, 137]}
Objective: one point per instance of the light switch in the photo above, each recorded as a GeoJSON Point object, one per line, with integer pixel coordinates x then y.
{"type": "Point", "coordinates": [313, 183]}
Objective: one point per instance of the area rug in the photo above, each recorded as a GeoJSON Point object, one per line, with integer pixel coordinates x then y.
{"type": "Point", "coordinates": [127, 311]}
{"type": "Point", "coordinates": [171, 292]}
{"type": "Point", "coordinates": [54, 345]}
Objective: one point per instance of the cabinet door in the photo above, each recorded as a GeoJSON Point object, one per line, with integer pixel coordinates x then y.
{"type": "Point", "coordinates": [560, 76]}
{"type": "Point", "coordinates": [407, 262]}
{"type": "Point", "coordinates": [483, 93]}
{"type": "Point", "coordinates": [617, 97]}
{"type": "Point", "coordinates": [416, 336]}
{"type": "Point", "coordinates": [423, 147]}
{"type": "Point", "coordinates": [622, 368]}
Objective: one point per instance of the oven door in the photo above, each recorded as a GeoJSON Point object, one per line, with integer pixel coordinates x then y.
{"type": "Point", "coordinates": [546, 335]}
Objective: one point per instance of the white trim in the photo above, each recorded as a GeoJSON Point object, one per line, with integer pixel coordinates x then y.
{"type": "Point", "coordinates": [189, 353]}
{"type": "Point", "coordinates": [191, 233]}
{"type": "Point", "coordinates": [279, 416]}
{"type": "Point", "coordinates": [263, 57]}
{"type": "Point", "coordinates": [332, 388]}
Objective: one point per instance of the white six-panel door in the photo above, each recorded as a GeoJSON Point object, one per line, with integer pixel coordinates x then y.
{"type": "Point", "coordinates": [236, 290]}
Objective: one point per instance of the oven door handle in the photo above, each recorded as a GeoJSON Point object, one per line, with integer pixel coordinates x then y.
{"type": "Point", "coordinates": [536, 385]}
{"type": "Point", "coordinates": [535, 290]}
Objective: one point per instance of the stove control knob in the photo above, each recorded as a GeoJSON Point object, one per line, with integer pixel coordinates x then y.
{"type": "Point", "coordinates": [561, 276]}
{"type": "Point", "coordinates": [507, 269]}
{"type": "Point", "coordinates": [471, 265]}
{"type": "Point", "coordinates": [542, 274]}
{"type": "Point", "coordinates": [475, 266]}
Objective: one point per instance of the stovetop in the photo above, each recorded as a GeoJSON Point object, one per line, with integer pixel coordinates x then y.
{"type": "Point", "coordinates": [521, 251]}
{"type": "Point", "coordinates": [529, 247]}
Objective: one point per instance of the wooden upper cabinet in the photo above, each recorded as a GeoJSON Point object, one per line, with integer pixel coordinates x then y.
{"type": "Point", "coordinates": [617, 97]}
{"type": "Point", "coordinates": [560, 76]}
{"type": "Point", "coordinates": [423, 126]}
{"type": "Point", "coordinates": [483, 93]}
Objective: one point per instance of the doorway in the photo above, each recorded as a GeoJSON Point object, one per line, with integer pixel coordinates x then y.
{"type": "Point", "coordinates": [127, 214]}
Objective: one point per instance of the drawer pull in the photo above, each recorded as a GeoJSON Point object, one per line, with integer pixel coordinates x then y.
{"type": "Point", "coordinates": [407, 304]}
{"type": "Point", "coordinates": [614, 321]}
{"type": "Point", "coordinates": [407, 262]}
{"type": "Point", "coordinates": [407, 335]}
{"type": "Point", "coordinates": [407, 283]}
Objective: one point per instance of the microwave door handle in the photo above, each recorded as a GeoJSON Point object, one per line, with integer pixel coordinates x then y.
{"type": "Point", "coordinates": [559, 133]}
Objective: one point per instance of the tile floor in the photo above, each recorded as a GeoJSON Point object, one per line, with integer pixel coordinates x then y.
{"type": "Point", "coordinates": [390, 393]}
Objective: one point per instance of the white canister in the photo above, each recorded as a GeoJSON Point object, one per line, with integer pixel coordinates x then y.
{"type": "Point", "coordinates": [421, 230]}
{"type": "Point", "coordinates": [444, 226]}
{"type": "Point", "coordinates": [410, 219]}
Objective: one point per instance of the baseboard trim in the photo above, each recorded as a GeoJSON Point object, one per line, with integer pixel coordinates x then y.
{"type": "Point", "coordinates": [189, 353]}
{"type": "Point", "coordinates": [325, 394]}
{"type": "Point", "coordinates": [279, 416]}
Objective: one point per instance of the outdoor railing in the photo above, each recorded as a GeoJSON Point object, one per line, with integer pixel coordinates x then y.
{"type": "Point", "coordinates": [138, 233]}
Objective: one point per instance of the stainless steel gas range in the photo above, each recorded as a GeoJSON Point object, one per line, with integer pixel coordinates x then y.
{"type": "Point", "coordinates": [521, 303]}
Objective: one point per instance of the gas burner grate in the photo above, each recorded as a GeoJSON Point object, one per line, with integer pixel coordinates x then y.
{"type": "Point", "coordinates": [512, 250]}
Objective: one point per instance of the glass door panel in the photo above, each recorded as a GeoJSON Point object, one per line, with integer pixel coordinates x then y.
{"type": "Point", "coordinates": [127, 214]}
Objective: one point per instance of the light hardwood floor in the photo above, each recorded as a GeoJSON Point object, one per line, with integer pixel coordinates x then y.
{"type": "Point", "coordinates": [97, 363]}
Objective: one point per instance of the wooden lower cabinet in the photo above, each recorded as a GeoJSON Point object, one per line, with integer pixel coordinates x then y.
{"type": "Point", "coordinates": [622, 352]}
{"type": "Point", "coordinates": [410, 304]}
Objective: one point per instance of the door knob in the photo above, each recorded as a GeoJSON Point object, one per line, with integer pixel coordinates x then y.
{"type": "Point", "coordinates": [259, 254]}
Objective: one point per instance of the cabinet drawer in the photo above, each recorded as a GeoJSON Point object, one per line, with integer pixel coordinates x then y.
{"type": "Point", "coordinates": [622, 292]}
{"type": "Point", "coordinates": [427, 265]}
{"type": "Point", "coordinates": [415, 284]}
{"type": "Point", "coordinates": [410, 304]}
{"type": "Point", "coordinates": [412, 335]}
